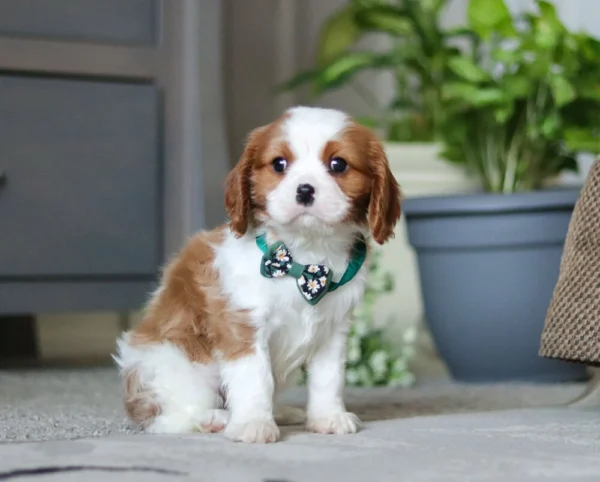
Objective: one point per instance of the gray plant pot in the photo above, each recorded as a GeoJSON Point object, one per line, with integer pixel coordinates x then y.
{"type": "Point", "coordinates": [488, 266]}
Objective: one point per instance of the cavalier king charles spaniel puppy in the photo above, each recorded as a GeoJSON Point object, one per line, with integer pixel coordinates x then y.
{"type": "Point", "coordinates": [243, 308]}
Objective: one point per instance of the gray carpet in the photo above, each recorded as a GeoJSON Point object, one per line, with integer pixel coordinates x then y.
{"type": "Point", "coordinates": [55, 404]}
{"type": "Point", "coordinates": [68, 425]}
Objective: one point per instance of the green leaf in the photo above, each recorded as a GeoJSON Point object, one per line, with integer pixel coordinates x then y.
{"type": "Point", "coordinates": [339, 32]}
{"type": "Point", "coordinates": [550, 125]}
{"type": "Point", "coordinates": [458, 91]}
{"type": "Point", "coordinates": [487, 16]}
{"type": "Point", "coordinates": [503, 113]}
{"type": "Point", "coordinates": [517, 87]}
{"type": "Point", "coordinates": [547, 25]}
{"type": "Point", "coordinates": [507, 56]}
{"type": "Point", "coordinates": [343, 68]}
{"type": "Point", "coordinates": [386, 19]}
{"type": "Point", "coordinates": [467, 69]}
{"type": "Point", "coordinates": [589, 92]}
{"type": "Point", "coordinates": [368, 122]}
{"type": "Point", "coordinates": [582, 140]}
{"type": "Point", "coordinates": [549, 16]}
{"type": "Point", "coordinates": [459, 32]}
{"type": "Point", "coordinates": [562, 90]}
{"type": "Point", "coordinates": [488, 97]}
{"type": "Point", "coordinates": [297, 81]}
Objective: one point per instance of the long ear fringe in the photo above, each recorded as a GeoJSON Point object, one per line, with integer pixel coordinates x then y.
{"type": "Point", "coordinates": [238, 186]}
{"type": "Point", "coordinates": [385, 205]}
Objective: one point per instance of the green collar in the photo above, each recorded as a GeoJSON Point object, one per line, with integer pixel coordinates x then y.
{"type": "Point", "coordinates": [314, 280]}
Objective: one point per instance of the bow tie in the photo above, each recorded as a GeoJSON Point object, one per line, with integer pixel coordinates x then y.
{"type": "Point", "coordinates": [314, 281]}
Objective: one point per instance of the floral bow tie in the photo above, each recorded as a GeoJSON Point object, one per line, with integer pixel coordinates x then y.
{"type": "Point", "coordinates": [312, 280]}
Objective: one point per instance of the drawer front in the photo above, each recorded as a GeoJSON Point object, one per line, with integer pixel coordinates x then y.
{"type": "Point", "coordinates": [81, 163]}
{"type": "Point", "coordinates": [110, 21]}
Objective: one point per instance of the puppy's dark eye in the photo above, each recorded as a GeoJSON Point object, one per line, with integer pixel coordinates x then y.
{"type": "Point", "coordinates": [338, 165]}
{"type": "Point", "coordinates": [279, 164]}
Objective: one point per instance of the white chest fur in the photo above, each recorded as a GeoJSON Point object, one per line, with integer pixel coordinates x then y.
{"type": "Point", "coordinates": [290, 326]}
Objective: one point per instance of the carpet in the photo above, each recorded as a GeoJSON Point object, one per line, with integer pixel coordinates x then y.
{"type": "Point", "coordinates": [57, 404]}
{"type": "Point", "coordinates": [69, 425]}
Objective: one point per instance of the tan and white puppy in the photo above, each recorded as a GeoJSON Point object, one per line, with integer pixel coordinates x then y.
{"type": "Point", "coordinates": [219, 341]}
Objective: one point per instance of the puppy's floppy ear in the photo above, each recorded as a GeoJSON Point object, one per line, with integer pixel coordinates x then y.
{"type": "Point", "coordinates": [238, 185]}
{"type": "Point", "coordinates": [384, 206]}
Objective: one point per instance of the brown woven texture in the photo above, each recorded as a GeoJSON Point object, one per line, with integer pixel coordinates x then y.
{"type": "Point", "coordinates": [572, 329]}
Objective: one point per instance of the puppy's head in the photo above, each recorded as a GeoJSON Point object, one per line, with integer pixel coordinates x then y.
{"type": "Point", "coordinates": [313, 170]}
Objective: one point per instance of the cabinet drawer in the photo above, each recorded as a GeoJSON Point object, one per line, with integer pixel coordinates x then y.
{"type": "Point", "coordinates": [110, 21]}
{"type": "Point", "coordinates": [81, 194]}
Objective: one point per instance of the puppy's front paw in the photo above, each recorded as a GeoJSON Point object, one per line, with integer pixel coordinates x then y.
{"type": "Point", "coordinates": [254, 431]}
{"type": "Point", "coordinates": [213, 421]}
{"type": "Point", "coordinates": [338, 423]}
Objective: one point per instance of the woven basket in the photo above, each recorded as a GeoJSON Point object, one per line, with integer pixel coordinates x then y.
{"type": "Point", "coordinates": [572, 327]}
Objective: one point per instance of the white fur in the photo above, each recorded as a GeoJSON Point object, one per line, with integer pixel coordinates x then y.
{"type": "Point", "coordinates": [307, 131]}
{"type": "Point", "coordinates": [186, 392]}
{"type": "Point", "coordinates": [290, 332]}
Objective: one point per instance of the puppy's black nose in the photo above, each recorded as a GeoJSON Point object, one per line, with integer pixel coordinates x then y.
{"type": "Point", "coordinates": [305, 194]}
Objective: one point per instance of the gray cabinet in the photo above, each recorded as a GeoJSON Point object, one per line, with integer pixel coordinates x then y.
{"type": "Point", "coordinates": [111, 145]}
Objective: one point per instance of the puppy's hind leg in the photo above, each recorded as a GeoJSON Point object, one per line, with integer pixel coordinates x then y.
{"type": "Point", "coordinates": [167, 393]}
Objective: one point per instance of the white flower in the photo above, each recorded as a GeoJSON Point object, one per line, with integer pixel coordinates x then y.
{"type": "Point", "coordinates": [378, 362]}
{"type": "Point", "coordinates": [281, 255]}
{"type": "Point", "coordinates": [361, 328]}
{"type": "Point", "coordinates": [353, 340]}
{"type": "Point", "coordinates": [351, 376]}
{"type": "Point", "coordinates": [301, 280]}
{"type": "Point", "coordinates": [354, 353]}
{"type": "Point", "coordinates": [364, 375]}
{"type": "Point", "coordinates": [325, 269]}
{"type": "Point", "coordinates": [403, 380]}
{"type": "Point", "coordinates": [399, 366]}
{"type": "Point", "coordinates": [313, 286]}
{"type": "Point", "coordinates": [278, 274]}
{"type": "Point", "coordinates": [267, 262]}
{"type": "Point", "coordinates": [323, 280]}
{"type": "Point", "coordinates": [313, 268]}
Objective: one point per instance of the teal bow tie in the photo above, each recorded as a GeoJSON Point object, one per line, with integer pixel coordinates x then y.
{"type": "Point", "coordinates": [314, 281]}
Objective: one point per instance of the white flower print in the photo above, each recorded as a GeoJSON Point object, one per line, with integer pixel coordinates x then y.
{"type": "Point", "coordinates": [281, 255]}
{"type": "Point", "coordinates": [278, 274]}
{"type": "Point", "coordinates": [313, 285]}
{"type": "Point", "coordinates": [267, 262]}
{"type": "Point", "coordinates": [325, 269]}
{"type": "Point", "coordinates": [313, 268]}
{"type": "Point", "coordinates": [323, 280]}
{"type": "Point", "coordinates": [301, 280]}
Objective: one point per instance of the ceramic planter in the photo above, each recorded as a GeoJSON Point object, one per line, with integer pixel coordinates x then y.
{"type": "Point", "coordinates": [488, 265]}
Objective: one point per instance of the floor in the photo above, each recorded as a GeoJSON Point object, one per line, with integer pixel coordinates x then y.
{"type": "Point", "coordinates": [71, 421]}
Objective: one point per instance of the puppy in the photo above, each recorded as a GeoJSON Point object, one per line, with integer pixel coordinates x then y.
{"type": "Point", "coordinates": [242, 308]}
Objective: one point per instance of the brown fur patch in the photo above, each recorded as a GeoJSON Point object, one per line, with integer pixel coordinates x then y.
{"type": "Point", "coordinates": [140, 405]}
{"type": "Point", "coordinates": [368, 182]}
{"type": "Point", "coordinates": [190, 310]}
{"type": "Point", "coordinates": [253, 177]}
{"type": "Point", "coordinates": [191, 313]}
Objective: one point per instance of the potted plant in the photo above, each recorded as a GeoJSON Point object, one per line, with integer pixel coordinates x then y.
{"type": "Point", "coordinates": [525, 102]}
